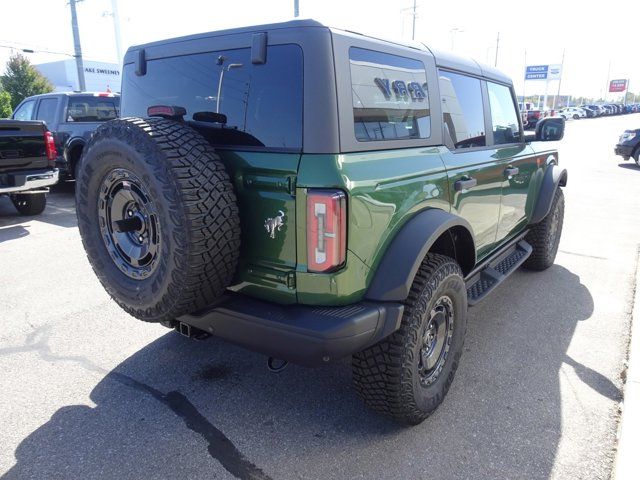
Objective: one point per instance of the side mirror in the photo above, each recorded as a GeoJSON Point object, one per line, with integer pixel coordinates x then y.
{"type": "Point", "coordinates": [550, 129]}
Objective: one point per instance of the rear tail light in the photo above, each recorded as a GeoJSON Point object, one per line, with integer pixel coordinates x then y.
{"type": "Point", "coordinates": [166, 111]}
{"type": "Point", "coordinates": [326, 230]}
{"type": "Point", "coordinates": [50, 147]}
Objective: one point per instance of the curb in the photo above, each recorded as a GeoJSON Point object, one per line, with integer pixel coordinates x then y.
{"type": "Point", "coordinates": [627, 464]}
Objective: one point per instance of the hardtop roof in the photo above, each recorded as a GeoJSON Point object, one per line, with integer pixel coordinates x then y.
{"type": "Point", "coordinates": [443, 59]}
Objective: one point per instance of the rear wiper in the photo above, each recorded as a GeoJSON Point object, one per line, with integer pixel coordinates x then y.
{"type": "Point", "coordinates": [211, 117]}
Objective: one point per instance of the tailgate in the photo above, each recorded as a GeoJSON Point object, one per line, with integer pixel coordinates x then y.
{"type": "Point", "coordinates": [22, 146]}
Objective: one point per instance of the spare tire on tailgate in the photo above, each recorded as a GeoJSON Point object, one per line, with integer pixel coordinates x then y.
{"type": "Point", "coordinates": [158, 217]}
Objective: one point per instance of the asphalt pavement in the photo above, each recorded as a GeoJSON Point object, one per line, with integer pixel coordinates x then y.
{"type": "Point", "coordinates": [89, 392]}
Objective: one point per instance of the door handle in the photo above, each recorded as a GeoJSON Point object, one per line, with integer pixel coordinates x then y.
{"type": "Point", "coordinates": [465, 184]}
{"type": "Point", "coordinates": [511, 171]}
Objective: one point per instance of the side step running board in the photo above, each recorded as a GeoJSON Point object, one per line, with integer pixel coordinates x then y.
{"type": "Point", "coordinates": [481, 283]}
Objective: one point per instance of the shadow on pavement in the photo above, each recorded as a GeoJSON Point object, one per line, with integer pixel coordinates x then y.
{"type": "Point", "coordinates": [182, 409]}
{"type": "Point", "coordinates": [60, 210]}
{"type": "Point", "coordinates": [12, 232]}
{"type": "Point", "coordinates": [629, 166]}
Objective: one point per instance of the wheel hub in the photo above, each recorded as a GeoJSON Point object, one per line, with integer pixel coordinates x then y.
{"type": "Point", "coordinates": [436, 340]}
{"type": "Point", "coordinates": [129, 224]}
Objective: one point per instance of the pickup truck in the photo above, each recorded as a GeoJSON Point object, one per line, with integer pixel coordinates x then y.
{"type": "Point", "coordinates": [71, 117]}
{"type": "Point", "coordinates": [27, 164]}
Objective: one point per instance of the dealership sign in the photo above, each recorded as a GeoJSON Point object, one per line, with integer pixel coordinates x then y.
{"type": "Point", "coordinates": [617, 85]}
{"type": "Point", "coordinates": [543, 72]}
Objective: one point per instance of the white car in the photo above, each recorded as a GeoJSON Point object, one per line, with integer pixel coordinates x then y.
{"type": "Point", "coordinates": [573, 112]}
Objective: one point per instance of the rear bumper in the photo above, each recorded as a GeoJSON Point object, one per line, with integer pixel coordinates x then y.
{"type": "Point", "coordinates": [624, 150]}
{"type": "Point", "coordinates": [63, 166]}
{"type": "Point", "coordinates": [300, 334]}
{"type": "Point", "coordinates": [21, 181]}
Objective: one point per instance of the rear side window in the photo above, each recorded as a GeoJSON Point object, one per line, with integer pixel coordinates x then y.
{"type": "Point", "coordinates": [390, 100]}
{"type": "Point", "coordinates": [92, 109]}
{"type": "Point", "coordinates": [504, 118]}
{"type": "Point", "coordinates": [25, 111]}
{"type": "Point", "coordinates": [47, 110]}
{"type": "Point", "coordinates": [462, 110]}
{"type": "Point", "coordinates": [262, 102]}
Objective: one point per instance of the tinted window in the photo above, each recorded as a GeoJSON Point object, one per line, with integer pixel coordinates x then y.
{"type": "Point", "coordinates": [504, 118]}
{"type": "Point", "coordinates": [47, 110]}
{"type": "Point", "coordinates": [92, 109]}
{"type": "Point", "coordinates": [262, 103]}
{"type": "Point", "coordinates": [462, 110]}
{"type": "Point", "coordinates": [25, 111]}
{"type": "Point", "coordinates": [390, 100]}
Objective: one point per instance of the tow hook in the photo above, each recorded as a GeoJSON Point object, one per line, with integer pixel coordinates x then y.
{"type": "Point", "coordinates": [275, 365]}
{"type": "Point", "coordinates": [191, 332]}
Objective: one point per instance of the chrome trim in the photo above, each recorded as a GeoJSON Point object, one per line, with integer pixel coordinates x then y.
{"type": "Point", "coordinates": [35, 180]}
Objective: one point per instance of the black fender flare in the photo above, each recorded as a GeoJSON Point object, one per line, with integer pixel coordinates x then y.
{"type": "Point", "coordinates": [402, 258]}
{"type": "Point", "coordinates": [553, 178]}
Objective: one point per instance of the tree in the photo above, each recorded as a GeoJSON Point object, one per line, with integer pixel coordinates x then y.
{"type": "Point", "coordinates": [23, 80]}
{"type": "Point", "coordinates": [5, 104]}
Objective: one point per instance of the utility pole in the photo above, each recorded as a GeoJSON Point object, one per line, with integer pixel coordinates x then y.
{"type": "Point", "coordinates": [413, 31]}
{"type": "Point", "coordinates": [76, 44]}
{"type": "Point", "coordinates": [296, 8]}
{"type": "Point", "coordinates": [497, 45]}
{"type": "Point", "coordinates": [524, 83]}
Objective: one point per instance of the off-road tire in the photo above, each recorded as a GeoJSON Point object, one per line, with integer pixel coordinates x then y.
{"type": "Point", "coordinates": [544, 236]}
{"type": "Point", "coordinates": [196, 209]}
{"type": "Point", "coordinates": [386, 375]}
{"type": "Point", "coordinates": [29, 203]}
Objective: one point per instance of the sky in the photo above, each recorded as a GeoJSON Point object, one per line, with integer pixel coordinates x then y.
{"type": "Point", "coordinates": [599, 39]}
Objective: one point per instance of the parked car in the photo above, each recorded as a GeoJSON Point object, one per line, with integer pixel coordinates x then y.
{"type": "Point", "coordinates": [27, 164]}
{"type": "Point", "coordinates": [72, 118]}
{"type": "Point", "coordinates": [589, 111]}
{"type": "Point", "coordinates": [629, 145]}
{"type": "Point", "coordinates": [350, 207]}
{"type": "Point", "coordinates": [532, 118]}
{"type": "Point", "coordinates": [572, 112]}
{"type": "Point", "coordinates": [599, 109]}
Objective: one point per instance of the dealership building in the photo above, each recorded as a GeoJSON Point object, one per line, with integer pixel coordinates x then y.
{"type": "Point", "coordinates": [98, 76]}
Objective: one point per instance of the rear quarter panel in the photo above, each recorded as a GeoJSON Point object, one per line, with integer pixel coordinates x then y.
{"type": "Point", "coordinates": [385, 189]}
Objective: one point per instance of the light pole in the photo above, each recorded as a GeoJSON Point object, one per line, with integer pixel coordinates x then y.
{"type": "Point", "coordinates": [453, 32]}
{"type": "Point", "coordinates": [296, 8]}
{"type": "Point", "coordinates": [116, 28]}
{"type": "Point", "coordinates": [413, 30]}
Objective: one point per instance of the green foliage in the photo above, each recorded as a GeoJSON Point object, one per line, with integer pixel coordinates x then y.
{"type": "Point", "coordinates": [5, 104]}
{"type": "Point", "coordinates": [23, 80]}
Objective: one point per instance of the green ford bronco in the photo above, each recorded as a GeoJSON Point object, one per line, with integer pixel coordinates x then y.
{"type": "Point", "coordinates": [312, 193]}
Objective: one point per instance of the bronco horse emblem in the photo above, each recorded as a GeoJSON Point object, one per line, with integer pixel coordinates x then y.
{"type": "Point", "coordinates": [275, 223]}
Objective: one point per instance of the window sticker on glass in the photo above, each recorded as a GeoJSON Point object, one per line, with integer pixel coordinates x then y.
{"type": "Point", "coordinates": [390, 100]}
